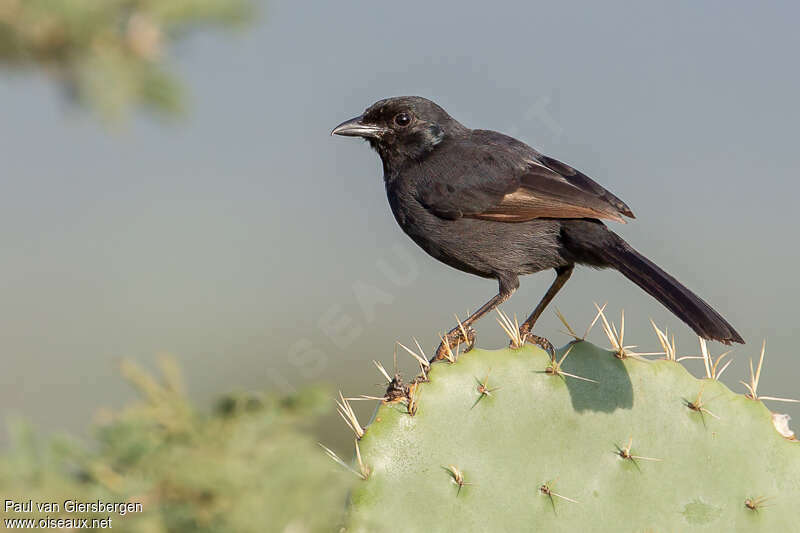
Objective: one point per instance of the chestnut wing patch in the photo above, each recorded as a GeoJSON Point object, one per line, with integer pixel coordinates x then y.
{"type": "Point", "coordinates": [490, 176]}
{"type": "Point", "coordinates": [523, 204]}
{"type": "Point", "coordinates": [543, 193]}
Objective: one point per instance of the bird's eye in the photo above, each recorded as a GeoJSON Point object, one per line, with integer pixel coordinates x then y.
{"type": "Point", "coordinates": [402, 119]}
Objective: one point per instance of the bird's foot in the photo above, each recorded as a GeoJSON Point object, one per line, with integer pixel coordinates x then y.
{"type": "Point", "coordinates": [543, 343]}
{"type": "Point", "coordinates": [452, 340]}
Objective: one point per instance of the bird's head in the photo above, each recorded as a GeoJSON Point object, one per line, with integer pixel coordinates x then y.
{"type": "Point", "coordinates": [402, 127]}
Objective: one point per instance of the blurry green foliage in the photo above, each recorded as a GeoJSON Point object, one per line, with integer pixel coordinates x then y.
{"type": "Point", "coordinates": [109, 54]}
{"type": "Point", "coordinates": [250, 465]}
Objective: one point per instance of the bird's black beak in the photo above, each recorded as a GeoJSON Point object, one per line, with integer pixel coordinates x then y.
{"type": "Point", "coordinates": [355, 127]}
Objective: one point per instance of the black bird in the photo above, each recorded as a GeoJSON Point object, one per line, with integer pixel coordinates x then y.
{"type": "Point", "coordinates": [488, 204]}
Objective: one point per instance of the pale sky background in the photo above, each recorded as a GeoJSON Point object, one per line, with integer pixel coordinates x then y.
{"type": "Point", "coordinates": [230, 238]}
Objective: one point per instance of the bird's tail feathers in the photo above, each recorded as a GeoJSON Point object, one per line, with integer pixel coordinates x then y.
{"type": "Point", "coordinates": [602, 247]}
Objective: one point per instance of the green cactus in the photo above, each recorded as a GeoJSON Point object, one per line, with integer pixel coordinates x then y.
{"type": "Point", "coordinates": [509, 440]}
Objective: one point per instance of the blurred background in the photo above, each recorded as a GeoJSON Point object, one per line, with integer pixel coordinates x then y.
{"type": "Point", "coordinates": [169, 184]}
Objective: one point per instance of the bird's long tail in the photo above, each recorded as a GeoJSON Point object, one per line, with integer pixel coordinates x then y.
{"type": "Point", "coordinates": [594, 244]}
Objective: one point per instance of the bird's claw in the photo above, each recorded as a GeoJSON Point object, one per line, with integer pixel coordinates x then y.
{"type": "Point", "coordinates": [452, 340]}
{"type": "Point", "coordinates": [543, 343]}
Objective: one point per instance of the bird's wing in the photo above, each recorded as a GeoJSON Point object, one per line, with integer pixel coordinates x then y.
{"type": "Point", "coordinates": [499, 178]}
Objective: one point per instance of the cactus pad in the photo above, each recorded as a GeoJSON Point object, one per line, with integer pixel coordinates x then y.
{"type": "Point", "coordinates": [498, 442]}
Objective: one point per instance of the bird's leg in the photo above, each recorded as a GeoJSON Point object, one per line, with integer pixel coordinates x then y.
{"type": "Point", "coordinates": [562, 275]}
{"type": "Point", "coordinates": [456, 335]}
